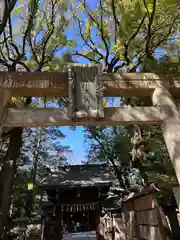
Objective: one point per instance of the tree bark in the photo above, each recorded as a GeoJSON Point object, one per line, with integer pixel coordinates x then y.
{"type": "Point", "coordinates": [8, 172]}
{"type": "Point", "coordinates": [4, 98]}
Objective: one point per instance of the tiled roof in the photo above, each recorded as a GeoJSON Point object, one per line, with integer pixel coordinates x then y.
{"type": "Point", "coordinates": [80, 175]}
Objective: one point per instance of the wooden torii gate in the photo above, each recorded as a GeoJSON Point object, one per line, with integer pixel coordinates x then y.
{"type": "Point", "coordinates": [87, 82]}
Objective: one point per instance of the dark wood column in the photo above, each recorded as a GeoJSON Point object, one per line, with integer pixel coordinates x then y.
{"type": "Point", "coordinates": [98, 213]}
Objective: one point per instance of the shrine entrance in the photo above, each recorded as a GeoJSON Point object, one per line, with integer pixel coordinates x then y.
{"type": "Point", "coordinates": [71, 221]}
{"type": "Point", "coordinates": [75, 197]}
{"type": "Point", "coordinates": [84, 218]}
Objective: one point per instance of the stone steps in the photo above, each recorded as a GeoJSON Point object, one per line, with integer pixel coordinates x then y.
{"type": "Point", "coordinates": [80, 236]}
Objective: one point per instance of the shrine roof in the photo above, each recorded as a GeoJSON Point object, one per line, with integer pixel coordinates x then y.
{"type": "Point", "coordinates": [80, 176]}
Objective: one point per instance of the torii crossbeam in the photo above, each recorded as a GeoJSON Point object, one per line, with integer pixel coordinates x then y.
{"type": "Point", "coordinates": [114, 84]}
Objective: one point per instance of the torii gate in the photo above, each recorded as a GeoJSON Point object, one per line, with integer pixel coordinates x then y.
{"type": "Point", "coordinates": [85, 86]}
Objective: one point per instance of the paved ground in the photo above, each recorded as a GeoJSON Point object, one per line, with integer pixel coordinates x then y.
{"type": "Point", "coordinates": [80, 236]}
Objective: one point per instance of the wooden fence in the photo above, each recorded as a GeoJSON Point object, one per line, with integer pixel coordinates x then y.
{"type": "Point", "coordinates": [141, 219]}
{"type": "Point", "coordinates": [111, 228]}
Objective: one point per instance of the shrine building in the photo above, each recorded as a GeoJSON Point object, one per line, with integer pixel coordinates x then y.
{"type": "Point", "coordinates": [75, 197]}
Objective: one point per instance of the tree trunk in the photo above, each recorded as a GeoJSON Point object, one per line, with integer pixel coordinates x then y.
{"type": "Point", "coordinates": [8, 172]}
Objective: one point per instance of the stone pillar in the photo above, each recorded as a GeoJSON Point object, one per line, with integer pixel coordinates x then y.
{"type": "Point", "coordinates": [4, 98]}
{"type": "Point", "coordinates": [170, 125]}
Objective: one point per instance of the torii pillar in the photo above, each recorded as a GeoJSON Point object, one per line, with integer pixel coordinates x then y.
{"type": "Point", "coordinates": [171, 130]}
{"type": "Point", "coordinates": [4, 98]}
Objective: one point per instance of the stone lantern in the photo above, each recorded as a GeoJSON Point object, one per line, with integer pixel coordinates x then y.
{"type": "Point", "coordinates": [21, 227]}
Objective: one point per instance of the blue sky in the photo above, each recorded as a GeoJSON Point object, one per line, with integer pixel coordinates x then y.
{"type": "Point", "coordinates": [75, 139]}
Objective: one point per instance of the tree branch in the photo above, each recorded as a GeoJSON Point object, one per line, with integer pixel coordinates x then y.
{"type": "Point", "coordinates": [116, 22]}
{"type": "Point", "coordinates": [100, 28]}
{"type": "Point", "coordinates": [111, 159]}
{"type": "Point", "coordinates": [8, 7]}
{"type": "Point", "coordinates": [94, 49]}
{"type": "Point", "coordinates": [149, 32]}
{"type": "Point", "coordinates": [126, 45]}
{"type": "Point", "coordinates": [87, 57]}
{"type": "Point", "coordinates": [47, 37]}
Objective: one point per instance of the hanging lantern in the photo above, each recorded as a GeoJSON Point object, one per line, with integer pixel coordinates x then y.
{"type": "Point", "coordinates": [30, 186]}
{"type": "Point", "coordinates": [29, 203]}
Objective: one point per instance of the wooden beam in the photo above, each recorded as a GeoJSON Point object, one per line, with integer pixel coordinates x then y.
{"type": "Point", "coordinates": [139, 84]}
{"type": "Point", "coordinates": [56, 84]}
{"type": "Point", "coordinates": [35, 83]}
{"type": "Point", "coordinates": [34, 117]}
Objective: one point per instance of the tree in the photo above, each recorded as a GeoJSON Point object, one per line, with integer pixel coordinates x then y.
{"type": "Point", "coordinates": [6, 9]}
{"type": "Point", "coordinates": [41, 35]}
{"type": "Point", "coordinates": [126, 33]}
{"type": "Point", "coordinates": [45, 145]}
{"type": "Point", "coordinates": [112, 145]}
{"type": "Point", "coordinates": [41, 149]}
